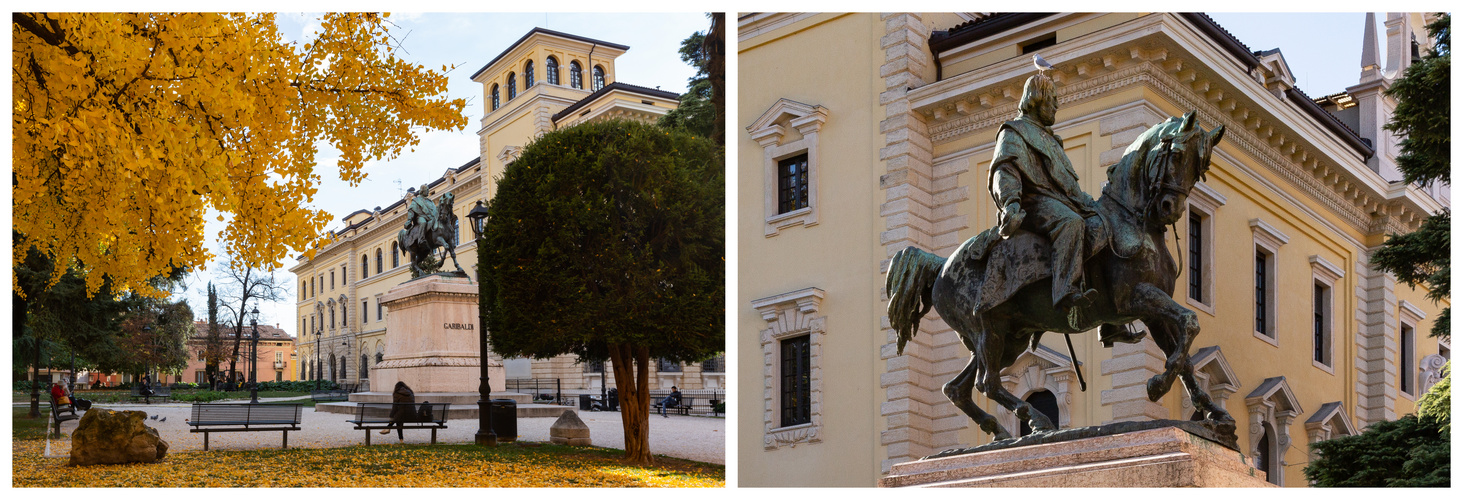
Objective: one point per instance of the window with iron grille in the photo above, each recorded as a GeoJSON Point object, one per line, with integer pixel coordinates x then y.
{"type": "Point", "coordinates": [379, 267]}
{"type": "Point", "coordinates": [792, 183]}
{"type": "Point", "coordinates": [1262, 320]}
{"type": "Point", "coordinates": [1404, 361]}
{"type": "Point", "coordinates": [1196, 256]}
{"type": "Point", "coordinates": [594, 367]}
{"type": "Point", "coordinates": [796, 376]}
{"type": "Point", "coordinates": [714, 365]}
{"type": "Point", "coordinates": [665, 365]}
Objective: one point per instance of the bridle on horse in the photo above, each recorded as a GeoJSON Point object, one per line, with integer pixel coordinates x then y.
{"type": "Point", "coordinates": [1158, 186]}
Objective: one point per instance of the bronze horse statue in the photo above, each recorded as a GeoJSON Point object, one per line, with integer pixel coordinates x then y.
{"type": "Point", "coordinates": [442, 235]}
{"type": "Point", "coordinates": [996, 293]}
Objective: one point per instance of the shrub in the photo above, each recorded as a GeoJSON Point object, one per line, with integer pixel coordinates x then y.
{"type": "Point", "coordinates": [200, 396]}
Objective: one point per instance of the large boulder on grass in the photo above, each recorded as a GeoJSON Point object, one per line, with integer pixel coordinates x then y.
{"type": "Point", "coordinates": [570, 430]}
{"type": "Point", "coordinates": [115, 437]}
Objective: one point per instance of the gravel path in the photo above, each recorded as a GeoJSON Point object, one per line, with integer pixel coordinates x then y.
{"type": "Point", "coordinates": [702, 439]}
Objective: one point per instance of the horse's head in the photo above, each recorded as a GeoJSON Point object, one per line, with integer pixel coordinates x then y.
{"type": "Point", "coordinates": [1163, 164]}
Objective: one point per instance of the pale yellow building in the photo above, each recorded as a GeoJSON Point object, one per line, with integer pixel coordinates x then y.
{"type": "Point", "coordinates": [862, 134]}
{"type": "Point", "coordinates": [545, 81]}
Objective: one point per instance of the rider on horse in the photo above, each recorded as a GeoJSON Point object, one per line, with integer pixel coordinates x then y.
{"type": "Point", "coordinates": [421, 218]}
{"type": "Point", "coordinates": [1031, 175]}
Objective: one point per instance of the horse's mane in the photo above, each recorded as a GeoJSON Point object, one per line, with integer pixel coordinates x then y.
{"type": "Point", "coordinates": [1134, 164]}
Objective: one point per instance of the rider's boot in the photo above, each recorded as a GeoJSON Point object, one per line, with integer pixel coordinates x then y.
{"type": "Point", "coordinates": [1073, 304]}
{"type": "Point", "coordinates": [1111, 334]}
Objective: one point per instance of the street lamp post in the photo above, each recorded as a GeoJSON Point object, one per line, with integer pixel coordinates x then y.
{"type": "Point", "coordinates": [317, 355]}
{"type": "Point", "coordinates": [485, 435]}
{"type": "Point", "coordinates": [254, 357]}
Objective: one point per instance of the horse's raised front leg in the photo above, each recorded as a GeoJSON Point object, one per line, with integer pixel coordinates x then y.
{"type": "Point", "coordinates": [958, 390]}
{"type": "Point", "coordinates": [1174, 328]}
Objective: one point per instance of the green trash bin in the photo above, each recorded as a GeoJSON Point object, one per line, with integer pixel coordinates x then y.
{"type": "Point", "coordinates": [505, 420]}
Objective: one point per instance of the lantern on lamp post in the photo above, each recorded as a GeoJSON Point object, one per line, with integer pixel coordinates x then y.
{"type": "Point", "coordinates": [485, 435]}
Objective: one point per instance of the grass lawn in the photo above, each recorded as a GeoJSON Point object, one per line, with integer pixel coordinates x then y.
{"type": "Point", "coordinates": [435, 466]}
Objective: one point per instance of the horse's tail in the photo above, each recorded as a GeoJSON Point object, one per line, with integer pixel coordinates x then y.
{"type": "Point", "coordinates": [911, 280]}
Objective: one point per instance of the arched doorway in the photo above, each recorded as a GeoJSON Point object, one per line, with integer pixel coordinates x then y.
{"type": "Point", "coordinates": [1046, 403]}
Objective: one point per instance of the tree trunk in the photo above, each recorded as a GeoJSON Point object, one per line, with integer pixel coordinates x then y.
{"type": "Point", "coordinates": [631, 364]}
{"type": "Point", "coordinates": [35, 380]}
{"type": "Point", "coordinates": [234, 360]}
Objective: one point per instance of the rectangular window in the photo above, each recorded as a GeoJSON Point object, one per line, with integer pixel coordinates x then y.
{"type": "Point", "coordinates": [667, 366]}
{"type": "Point", "coordinates": [1196, 256]}
{"type": "Point", "coordinates": [278, 376]}
{"type": "Point", "coordinates": [792, 183]}
{"type": "Point", "coordinates": [378, 308]}
{"type": "Point", "coordinates": [797, 406]}
{"type": "Point", "coordinates": [278, 356]}
{"type": "Point", "coordinates": [1262, 324]}
{"type": "Point", "coordinates": [365, 312]}
{"type": "Point", "coordinates": [1404, 362]}
{"type": "Point", "coordinates": [332, 279]}
{"type": "Point", "coordinates": [1321, 325]}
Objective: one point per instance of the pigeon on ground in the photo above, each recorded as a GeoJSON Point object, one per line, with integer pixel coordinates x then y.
{"type": "Point", "coordinates": [1041, 64]}
{"type": "Point", "coordinates": [154, 417]}
{"type": "Point", "coordinates": [164, 419]}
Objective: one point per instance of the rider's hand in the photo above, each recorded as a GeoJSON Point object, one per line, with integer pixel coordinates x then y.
{"type": "Point", "coordinates": [1011, 217]}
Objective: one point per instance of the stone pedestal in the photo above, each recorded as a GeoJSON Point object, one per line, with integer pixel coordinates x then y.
{"type": "Point", "coordinates": [432, 338]}
{"type": "Point", "coordinates": [1162, 457]}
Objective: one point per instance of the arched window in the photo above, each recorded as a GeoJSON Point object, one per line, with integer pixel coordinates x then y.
{"type": "Point", "coordinates": [512, 86]}
{"type": "Point", "coordinates": [495, 96]}
{"type": "Point", "coordinates": [365, 267]}
{"type": "Point", "coordinates": [332, 367]}
{"type": "Point", "coordinates": [599, 77]}
{"type": "Point", "coordinates": [1265, 455]}
{"type": "Point", "coordinates": [364, 368]}
{"type": "Point", "coordinates": [332, 317]}
{"type": "Point", "coordinates": [1046, 403]}
{"type": "Point", "coordinates": [380, 357]}
{"type": "Point", "coordinates": [378, 261]}
{"type": "Point", "coordinates": [395, 255]}
{"type": "Point", "coordinates": [551, 70]}
{"type": "Point", "coordinates": [527, 75]}
{"type": "Point", "coordinates": [342, 367]}
{"type": "Point", "coordinates": [576, 75]}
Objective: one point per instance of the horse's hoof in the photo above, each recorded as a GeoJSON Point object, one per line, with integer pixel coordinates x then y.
{"type": "Point", "coordinates": [1155, 388]}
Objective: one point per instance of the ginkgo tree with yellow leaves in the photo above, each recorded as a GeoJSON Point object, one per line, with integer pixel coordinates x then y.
{"type": "Point", "coordinates": [129, 128]}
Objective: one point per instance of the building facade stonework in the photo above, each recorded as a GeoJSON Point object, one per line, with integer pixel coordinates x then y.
{"type": "Point", "coordinates": [545, 81]}
{"type": "Point", "coordinates": [1300, 193]}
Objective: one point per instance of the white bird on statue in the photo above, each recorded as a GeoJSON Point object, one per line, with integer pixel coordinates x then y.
{"type": "Point", "coordinates": [1041, 64]}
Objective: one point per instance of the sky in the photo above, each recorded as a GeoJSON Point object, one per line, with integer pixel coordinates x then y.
{"type": "Point", "coordinates": [468, 40]}
{"type": "Point", "coordinates": [1323, 50]}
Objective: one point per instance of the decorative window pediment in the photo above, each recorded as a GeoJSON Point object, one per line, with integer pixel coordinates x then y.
{"type": "Point", "coordinates": [790, 315]}
{"type": "Point", "coordinates": [1214, 375]}
{"type": "Point", "coordinates": [1272, 404]}
{"type": "Point", "coordinates": [780, 151]}
{"type": "Point", "coordinates": [509, 153]}
{"type": "Point", "coordinates": [1329, 422]}
{"type": "Point", "coordinates": [1036, 370]}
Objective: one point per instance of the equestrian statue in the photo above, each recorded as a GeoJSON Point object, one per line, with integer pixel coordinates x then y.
{"type": "Point", "coordinates": [429, 227]}
{"type": "Point", "coordinates": [1059, 261]}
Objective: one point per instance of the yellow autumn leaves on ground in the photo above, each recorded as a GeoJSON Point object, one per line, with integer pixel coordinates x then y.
{"type": "Point", "coordinates": [437, 466]}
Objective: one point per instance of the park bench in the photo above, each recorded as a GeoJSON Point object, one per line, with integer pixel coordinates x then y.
{"type": "Point", "coordinates": [62, 412]}
{"type": "Point", "coordinates": [377, 416]}
{"type": "Point", "coordinates": [329, 395]}
{"type": "Point", "coordinates": [245, 417]}
{"type": "Point", "coordinates": [683, 408]}
{"type": "Point", "coordinates": [158, 391]}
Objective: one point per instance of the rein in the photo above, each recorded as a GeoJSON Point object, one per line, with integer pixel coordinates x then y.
{"type": "Point", "coordinates": [1157, 186]}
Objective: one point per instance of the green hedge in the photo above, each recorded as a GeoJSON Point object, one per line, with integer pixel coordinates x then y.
{"type": "Point", "coordinates": [298, 385]}
{"type": "Point", "coordinates": [200, 396]}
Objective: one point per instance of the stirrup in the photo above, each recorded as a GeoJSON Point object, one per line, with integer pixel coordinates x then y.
{"type": "Point", "coordinates": [1110, 335]}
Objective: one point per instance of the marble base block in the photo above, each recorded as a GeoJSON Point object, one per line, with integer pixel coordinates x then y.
{"type": "Point", "coordinates": [432, 338]}
{"type": "Point", "coordinates": [1163, 457]}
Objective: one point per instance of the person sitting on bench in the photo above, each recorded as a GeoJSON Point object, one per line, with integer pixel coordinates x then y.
{"type": "Point", "coordinates": [673, 399]}
{"type": "Point", "coordinates": [402, 398]}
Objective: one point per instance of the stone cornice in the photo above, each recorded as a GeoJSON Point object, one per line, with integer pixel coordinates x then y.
{"type": "Point", "coordinates": [1157, 52]}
